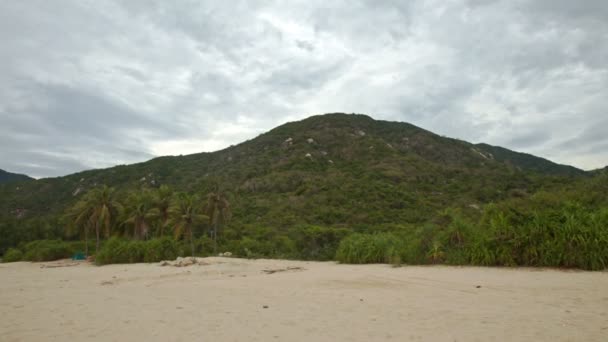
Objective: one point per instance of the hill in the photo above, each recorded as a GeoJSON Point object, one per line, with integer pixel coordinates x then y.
{"type": "Point", "coordinates": [6, 177]}
{"type": "Point", "coordinates": [299, 189]}
{"type": "Point", "coordinates": [599, 171]}
{"type": "Point", "coordinates": [528, 162]}
{"type": "Point", "coordinates": [350, 168]}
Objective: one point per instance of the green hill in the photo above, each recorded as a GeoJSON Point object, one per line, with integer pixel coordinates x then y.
{"type": "Point", "coordinates": [599, 171]}
{"type": "Point", "coordinates": [327, 169]}
{"type": "Point", "coordinates": [6, 177]}
{"type": "Point", "coordinates": [298, 189]}
{"type": "Point", "coordinates": [528, 162]}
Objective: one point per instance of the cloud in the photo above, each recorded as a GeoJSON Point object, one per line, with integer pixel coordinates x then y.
{"type": "Point", "coordinates": [94, 84]}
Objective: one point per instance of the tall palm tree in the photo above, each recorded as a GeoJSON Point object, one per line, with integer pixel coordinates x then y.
{"type": "Point", "coordinates": [218, 210]}
{"type": "Point", "coordinates": [79, 218]}
{"type": "Point", "coordinates": [184, 215]}
{"type": "Point", "coordinates": [162, 202]}
{"type": "Point", "coordinates": [139, 213]}
{"type": "Point", "coordinates": [97, 211]}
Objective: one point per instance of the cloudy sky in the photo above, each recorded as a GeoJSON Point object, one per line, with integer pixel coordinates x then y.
{"type": "Point", "coordinates": [89, 84]}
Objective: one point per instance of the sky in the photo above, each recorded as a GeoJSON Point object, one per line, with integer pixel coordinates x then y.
{"type": "Point", "coordinates": [95, 83]}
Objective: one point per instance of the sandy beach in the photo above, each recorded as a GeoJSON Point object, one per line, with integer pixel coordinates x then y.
{"type": "Point", "coordinates": [228, 299]}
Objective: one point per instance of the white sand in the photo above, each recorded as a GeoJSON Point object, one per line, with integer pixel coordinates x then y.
{"type": "Point", "coordinates": [223, 301]}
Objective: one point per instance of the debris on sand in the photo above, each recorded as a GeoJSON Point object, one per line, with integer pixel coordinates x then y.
{"type": "Point", "coordinates": [271, 271]}
{"type": "Point", "coordinates": [59, 265]}
{"type": "Point", "coordinates": [183, 262]}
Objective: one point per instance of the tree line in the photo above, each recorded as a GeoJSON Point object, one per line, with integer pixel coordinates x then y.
{"type": "Point", "coordinates": [146, 213]}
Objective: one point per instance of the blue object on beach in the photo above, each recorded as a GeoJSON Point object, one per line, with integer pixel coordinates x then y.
{"type": "Point", "coordinates": [78, 256]}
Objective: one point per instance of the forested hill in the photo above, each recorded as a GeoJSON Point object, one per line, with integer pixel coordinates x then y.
{"type": "Point", "coordinates": [599, 171]}
{"type": "Point", "coordinates": [382, 191]}
{"type": "Point", "coordinates": [6, 177]}
{"type": "Point", "coordinates": [334, 169]}
{"type": "Point", "coordinates": [528, 162]}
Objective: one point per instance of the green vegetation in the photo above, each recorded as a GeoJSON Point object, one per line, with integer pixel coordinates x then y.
{"type": "Point", "coordinates": [6, 177]}
{"type": "Point", "coordinates": [184, 214]}
{"type": "Point", "coordinates": [121, 251]}
{"type": "Point", "coordinates": [370, 248]}
{"type": "Point", "coordinates": [529, 162]}
{"type": "Point", "coordinates": [332, 187]}
{"type": "Point", "coordinates": [12, 255]}
{"type": "Point", "coordinates": [43, 250]}
{"type": "Point", "coordinates": [97, 212]}
{"type": "Point", "coordinates": [540, 231]}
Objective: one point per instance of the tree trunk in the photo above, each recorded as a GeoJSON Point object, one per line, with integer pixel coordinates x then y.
{"type": "Point", "coordinates": [215, 238]}
{"type": "Point", "coordinates": [192, 242]}
{"type": "Point", "coordinates": [145, 231]}
{"type": "Point", "coordinates": [97, 235]}
{"type": "Point", "coordinates": [86, 242]}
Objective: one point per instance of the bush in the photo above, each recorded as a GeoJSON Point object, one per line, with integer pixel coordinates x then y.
{"type": "Point", "coordinates": [47, 250]}
{"type": "Point", "coordinates": [274, 246]}
{"type": "Point", "coordinates": [119, 251]}
{"type": "Point", "coordinates": [560, 235]}
{"type": "Point", "coordinates": [370, 249]}
{"type": "Point", "coordinates": [249, 248]}
{"type": "Point", "coordinates": [12, 255]}
{"type": "Point", "coordinates": [283, 247]}
{"type": "Point", "coordinates": [203, 246]}
{"type": "Point", "coordinates": [318, 243]}
{"type": "Point", "coordinates": [164, 248]}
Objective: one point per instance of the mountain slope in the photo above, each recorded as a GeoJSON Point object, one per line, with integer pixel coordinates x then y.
{"type": "Point", "coordinates": [333, 169]}
{"type": "Point", "coordinates": [599, 171]}
{"type": "Point", "coordinates": [6, 177]}
{"type": "Point", "coordinates": [528, 162]}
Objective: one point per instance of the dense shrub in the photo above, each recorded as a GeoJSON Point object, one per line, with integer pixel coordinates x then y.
{"type": "Point", "coordinates": [278, 246]}
{"type": "Point", "coordinates": [119, 251]}
{"type": "Point", "coordinates": [204, 246]}
{"type": "Point", "coordinates": [164, 248]}
{"type": "Point", "coordinates": [47, 250]}
{"type": "Point", "coordinates": [563, 235]}
{"type": "Point", "coordinates": [522, 232]}
{"type": "Point", "coordinates": [370, 248]}
{"type": "Point", "coordinates": [318, 243]}
{"type": "Point", "coordinates": [12, 255]}
{"type": "Point", "coordinates": [249, 248]}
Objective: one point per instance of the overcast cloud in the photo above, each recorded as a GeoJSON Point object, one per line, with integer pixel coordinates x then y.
{"type": "Point", "coordinates": [89, 84]}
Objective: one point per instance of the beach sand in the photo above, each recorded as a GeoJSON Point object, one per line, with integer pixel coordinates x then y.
{"type": "Point", "coordinates": [230, 299]}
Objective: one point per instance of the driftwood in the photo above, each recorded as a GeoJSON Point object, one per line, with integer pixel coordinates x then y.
{"type": "Point", "coordinates": [59, 265]}
{"type": "Point", "coordinates": [271, 271]}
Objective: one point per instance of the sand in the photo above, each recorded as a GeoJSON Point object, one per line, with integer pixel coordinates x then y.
{"type": "Point", "coordinates": [230, 299]}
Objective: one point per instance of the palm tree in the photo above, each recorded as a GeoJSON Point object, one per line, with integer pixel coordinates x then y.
{"type": "Point", "coordinates": [162, 203]}
{"type": "Point", "coordinates": [96, 211]}
{"type": "Point", "coordinates": [184, 214]}
{"type": "Point", "coordinates": [218, 210]}
{"type": "Point", "coordinates": [139, 213]}
{"type": "Point", "coordinates": [79, 219]}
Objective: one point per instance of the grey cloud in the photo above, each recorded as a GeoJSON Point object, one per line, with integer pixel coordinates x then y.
{"type": "Point", "coordinates": [305, 45]}
{"type": "Point", "coordinates": [590, 10]}
{"type": "Point", "coordinates": [71, 126]}
{"type": "Point", "coordinates": [593, 138]}
{"type": "Point", "coordinates": [529, 139]}
{"type": "Point", "coordinates": [93, 84]}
